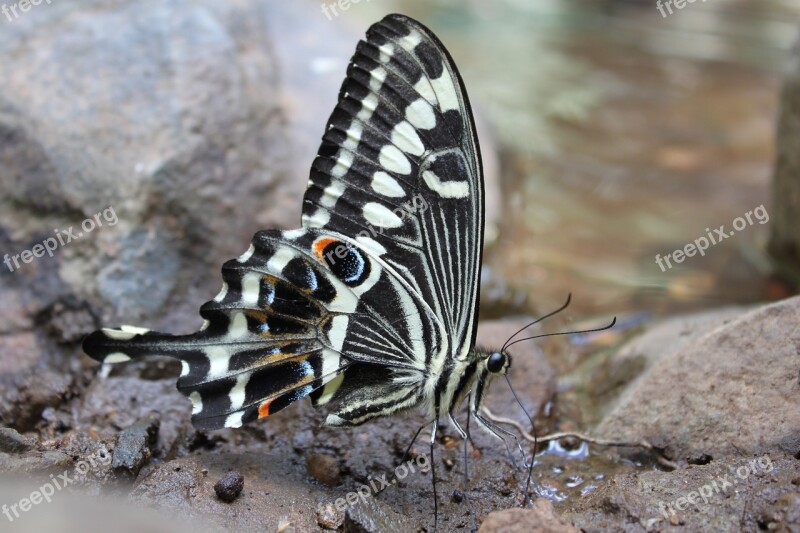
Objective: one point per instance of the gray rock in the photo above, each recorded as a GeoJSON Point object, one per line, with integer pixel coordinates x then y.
{"type": "Point", "coordinates": [39, 463]}
{"type": "Point", "coordinates": [12, 442]}
{"type": "Point", "coordinates": [733, 390]}
{"type": "Point", "coordinates": [125, 402]}
{"type": "Point", "coordinates": [134, 445]}
{"type": "Point", "coordinates": [720, 496]}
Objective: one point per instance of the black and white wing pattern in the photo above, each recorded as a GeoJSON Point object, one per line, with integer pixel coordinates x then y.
{"type": "Point", "coordinates": [367, 306]}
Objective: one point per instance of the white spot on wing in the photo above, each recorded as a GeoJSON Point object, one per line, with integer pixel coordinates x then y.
{"type": "Point", "coordinates": [445, 189]}
{"type": "Point", "coordinates": [332, 193]}
{"type": "Point", "coordinates": [336, 335]}
{"type": "Point", "coordinates": [116, 357]}
{"type": "Point", "coordinates": [445, 91]}
{"type": "Point", "coordinates": [405, 137]}
{"type": "Point", "coordinates": [234, 420]}
{"type": "Point", "coordinates": [353, 136]}
{"type": "Point", "coordinates": [294, 233]}
{"type": "Point", "coordinates": [280, 259]}
{"type": "Point", "coordinates": [319, 219]}
{"type": "Point", "coordinates": [386, 52]}
{"type": "Point", "coordinates": [197, 402]}
{"type": "Point", "coordinates": [393, 160]}
{"type": "Point", "coordinates": [237, 394]}
{"type": "Point", "coordinates": [410, 41]}
{"type": "Point", "coordinates": [247, 255]}
{"type": "Point", "coordinates": [184, 368]}
{"type": "Point", "coordinates": [368, 106]}
{"type": "Point", "coordinates": [371, 245]}
{"type": "Point", "coordinates": [384, 184]}
{"type": "Point", "coordinates": [343, 162]}
{"type": "Point", "coordinates": [222, 293]}
{"type": "Point", "coordinates": [124, 333]}
{"type": "Point", "coordinates": [250, 288]}
{"type": "Point", "coordinates": [424, 88]}
{"type": "Point", "coordinates": [381, 216]}
{"type": "Point", "coordinates": [218, 357]}
{"type": "Point", "coordinates": [420, 114]}
{"type": "Point", "coordinates": [377, 77]}
{"type": "Point", "coordinates": [238, 327]}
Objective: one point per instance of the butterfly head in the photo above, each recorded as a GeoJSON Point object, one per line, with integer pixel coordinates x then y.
{"type": "Point", "coordinates": [498, 362]}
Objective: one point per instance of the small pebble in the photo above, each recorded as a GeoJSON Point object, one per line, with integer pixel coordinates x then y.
{"type": "Point", "coordinates": [324, 468]}
{"type": "Point", "coordinates": [229, 487]}
{"type": "Point", "coordinates": [328, 517]}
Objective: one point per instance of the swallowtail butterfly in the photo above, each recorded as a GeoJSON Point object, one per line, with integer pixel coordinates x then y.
{"type": "Point", "coordinates": [370, 307]}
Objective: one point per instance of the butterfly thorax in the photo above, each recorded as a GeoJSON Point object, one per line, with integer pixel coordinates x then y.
{"type": "Point", "coordinates": [461, 377]}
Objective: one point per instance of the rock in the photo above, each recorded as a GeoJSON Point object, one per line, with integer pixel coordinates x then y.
{"type": "Point", "coordinates": [46, 462]}
{"type": "Point", "coordinates": [719, 496]}
{"type": "Point", "coordinates": [204, 118]}
{"type": "Point", "coordinates": [27, 392]}
{"type": "Point", "coordinates": [664, 338]}
{"type": "Point", "coordinates": [784, 515]}
{"type": "Point", "coordinates": [134, 445]}
{"type": "Point", "coordinates": [328, 517]}
{"type": "Point", "coordinates": [229, 487]}
{"type": "Point", "coordinates": [277, 492]}
{"type": "Point", "coordinates": [709, 399]}
{"type": "Point", "coordinates": [123, 402]}
{"type": "Point", "coordinates": [374, 516]}
{"type": "Point", "coordinates": [540, 518]}
{"type": "Point", "coordinates": [324, 468]}
{"type": "Point", "coordinates": [12, 442]}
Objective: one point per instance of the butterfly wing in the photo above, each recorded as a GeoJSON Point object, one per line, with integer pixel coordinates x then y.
{"type": "Point", "coordinates": [380, 286]}
{"type": "Point", "coordinates": [399, 170]}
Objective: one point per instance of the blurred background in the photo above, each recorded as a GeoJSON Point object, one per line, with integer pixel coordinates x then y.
{"type": "Point", "coordinates": [624, 134]}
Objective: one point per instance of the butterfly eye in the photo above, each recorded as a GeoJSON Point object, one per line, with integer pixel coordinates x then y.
{"type": "Point", "coordinates": [496, 362]}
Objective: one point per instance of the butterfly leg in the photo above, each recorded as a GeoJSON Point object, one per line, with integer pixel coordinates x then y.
{"type": "Point", "coordinates": [433, 476]}
{"type": "Point", "coordinates": [416, 435]}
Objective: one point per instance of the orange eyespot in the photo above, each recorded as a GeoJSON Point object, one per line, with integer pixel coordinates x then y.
{"type": "Point", "coordinates": [320, 246]}
{"type": "Point", "coordinates": [263, 409]}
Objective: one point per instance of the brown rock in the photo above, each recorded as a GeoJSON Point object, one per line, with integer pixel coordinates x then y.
{"type": "Point", "coordinates": [733, 390]}
{"type": "Point", "coordinates": [324, 468]}
{"type": "Point", "coordinates": [541, 518]}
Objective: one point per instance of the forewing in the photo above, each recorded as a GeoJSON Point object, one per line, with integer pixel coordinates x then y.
{"type": "Point", "coordinates": [399, 170]}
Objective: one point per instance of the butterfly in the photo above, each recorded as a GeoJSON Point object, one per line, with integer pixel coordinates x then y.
{"type": "Point", "coordinates": [371, 307]}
